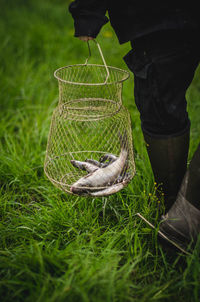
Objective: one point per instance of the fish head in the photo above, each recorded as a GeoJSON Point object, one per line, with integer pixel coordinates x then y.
{"type": "Point", "coordinates": [78, 190]}
{"type": "Point", "coordinates": [80, 187]}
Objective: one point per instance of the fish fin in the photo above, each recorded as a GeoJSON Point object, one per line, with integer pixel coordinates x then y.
{"type": "Point", "coordinates": [109, 157]}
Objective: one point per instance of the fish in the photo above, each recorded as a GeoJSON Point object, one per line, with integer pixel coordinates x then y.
{"type": "Point", "coordinates": [82, 165]}
{"type": "Point", "coordinates": [103, 176]}
{"type": "Point", "coordinates": [104, 160]}
{"type": "Point", "coordinates": [108, 191]}
{"type": "Point", "coordinates": [111, 189]}
{"type": "Point", "coordinates": [94, 162]}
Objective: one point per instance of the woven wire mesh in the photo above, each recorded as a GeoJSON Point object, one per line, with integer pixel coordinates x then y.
{"type": "Point", "coordinates": [71, 138]}
{"type": "Point", "coordinates": [87, 85]}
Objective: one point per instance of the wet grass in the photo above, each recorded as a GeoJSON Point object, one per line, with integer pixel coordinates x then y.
{"type": "Point", "coordinates": [56, 247]}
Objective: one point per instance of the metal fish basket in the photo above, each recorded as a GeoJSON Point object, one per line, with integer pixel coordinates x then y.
{"type": "Point", "coordinates": [89, 123]}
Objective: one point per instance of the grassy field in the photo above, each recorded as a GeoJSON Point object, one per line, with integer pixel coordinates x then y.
{"type": "Point", "coordinates": [56, 247]}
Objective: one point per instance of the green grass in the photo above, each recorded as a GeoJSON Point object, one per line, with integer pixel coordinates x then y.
{"type": "Point", "coordinates": [56, 247]}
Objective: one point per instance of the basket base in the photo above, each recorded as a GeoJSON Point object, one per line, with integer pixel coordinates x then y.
{"type": "Point", "coordinates": [55, 170]}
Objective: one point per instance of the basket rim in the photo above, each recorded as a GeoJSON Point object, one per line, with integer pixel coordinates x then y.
{"type": "Point", "coordinates": [91, 84]}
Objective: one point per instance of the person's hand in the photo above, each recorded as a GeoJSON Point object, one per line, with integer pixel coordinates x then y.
{"type": "Point", "coordinates": [85, 38]}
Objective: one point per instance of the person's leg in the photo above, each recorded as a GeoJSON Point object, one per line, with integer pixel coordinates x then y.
{"type": "Point", "coordinates": [168, 158]}
{"type": "Point", "coordinates": [163, 65]}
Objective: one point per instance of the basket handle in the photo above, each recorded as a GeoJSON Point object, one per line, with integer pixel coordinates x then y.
{"type": "Point", "coordinates": [101, 53]}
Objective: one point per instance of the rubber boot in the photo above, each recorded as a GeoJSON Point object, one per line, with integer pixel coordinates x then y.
{"type": "Point", "coordinates": [168, 158]}
{"type": "Point", "coordinates": [182, 222]}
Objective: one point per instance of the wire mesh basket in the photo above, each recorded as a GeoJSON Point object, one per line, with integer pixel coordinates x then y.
{"type": "Point", "coordinates": [90, 149]}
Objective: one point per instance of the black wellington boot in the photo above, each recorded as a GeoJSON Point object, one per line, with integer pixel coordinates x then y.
{"type": "Point", "coordinates": [182, 222]}
{"type": "Point", "coordinates": [168, 157]}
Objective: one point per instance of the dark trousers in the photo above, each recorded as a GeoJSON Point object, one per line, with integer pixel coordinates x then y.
{"type": "Point", "coordinates": [163, 64]}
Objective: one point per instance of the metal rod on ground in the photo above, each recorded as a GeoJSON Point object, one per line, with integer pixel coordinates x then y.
{"type": "Point", "coordinates": [163, 235]}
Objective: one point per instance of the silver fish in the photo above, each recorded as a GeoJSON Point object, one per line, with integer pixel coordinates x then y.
{"type": "Point", "coordinates": [109, 190]}
{"type": "Point", "coordinates": [94, 162]}
{"type": "Point", "coordinates": [82, 165]}
{"type": "Point", "coordinates": [102, 176]}
{"type": "Point", "coordinates": [104, 161]}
